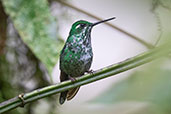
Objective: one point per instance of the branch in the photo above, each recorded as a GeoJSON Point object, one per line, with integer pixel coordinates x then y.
{"type": "Point", "coordinates": [146, 44]}
{"type": "Point", "coordinates": [88, 78]}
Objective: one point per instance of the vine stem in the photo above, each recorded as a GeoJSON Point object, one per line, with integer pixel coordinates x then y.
{"type": "Point", "coordinates": [105, 72]}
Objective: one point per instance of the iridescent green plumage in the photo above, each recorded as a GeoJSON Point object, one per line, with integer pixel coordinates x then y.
{"type": "Point", "coordinates": [76, 56]}
{"type": "Point", "coordinates": [77, 53]}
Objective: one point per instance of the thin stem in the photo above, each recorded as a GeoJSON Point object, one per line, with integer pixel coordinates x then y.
{"type": "Point", "coordinates": [155, 4]}
{"type": "Point", "coordinates": [88, 78]}
{"type": "Point", "coordinates": [148, 45]}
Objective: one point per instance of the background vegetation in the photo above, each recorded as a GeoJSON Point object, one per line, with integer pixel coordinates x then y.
{"type": "Point", "coordinates": [30, 43]}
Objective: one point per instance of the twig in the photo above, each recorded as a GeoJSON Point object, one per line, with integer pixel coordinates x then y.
{"type": "Point", "coordinates": [88, 78]}
{"type": "Point", "coordinates": [148, 45]}
{"type": "Point", "coordinates": [155, 4]}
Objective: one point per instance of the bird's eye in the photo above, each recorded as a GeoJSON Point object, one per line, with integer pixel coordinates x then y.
{"type": "Point", "coordinates": [82, 25]}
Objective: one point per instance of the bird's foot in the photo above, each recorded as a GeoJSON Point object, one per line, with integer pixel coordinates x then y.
{"type": "Point", "coordinates": [22, 99]}
{"type": "Point", "coordinates": [72, 79]}
{"type": "Point", "coordinates": [90, 71]}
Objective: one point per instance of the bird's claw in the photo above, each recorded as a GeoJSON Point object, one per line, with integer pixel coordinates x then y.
{"type": "Point", "coordinates": [90, 71]}
{"type": "Point", "coordinates": [72, 79]}
{"type": "Point", "coordinates": [22, 99]}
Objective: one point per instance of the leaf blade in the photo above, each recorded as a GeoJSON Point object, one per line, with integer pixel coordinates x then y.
{"type": "Point", "coordinates": [37, 28]}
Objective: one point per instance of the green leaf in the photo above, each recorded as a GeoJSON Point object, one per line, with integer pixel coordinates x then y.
{"type": "Point", "coordinates": [151, 85]}
{"type": "Point", "coordinates": [37, 28]}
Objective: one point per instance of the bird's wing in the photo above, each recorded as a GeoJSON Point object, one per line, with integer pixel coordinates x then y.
{"type": "Point", "coordinates": [72, 93]}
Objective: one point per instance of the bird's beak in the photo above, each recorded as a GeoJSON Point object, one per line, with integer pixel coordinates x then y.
{"type": "Point", "coordinates": [103, 21]}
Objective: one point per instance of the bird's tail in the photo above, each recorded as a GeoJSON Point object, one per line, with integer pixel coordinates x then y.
{"type": "Point", "coordinates": [62, 97]}
{"type": "Point", "coordinates": [68, 95]}
{"type": "Point", "coordinates": [72, 93]}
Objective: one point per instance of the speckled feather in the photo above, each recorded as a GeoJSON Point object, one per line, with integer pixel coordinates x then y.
{"type": "Point", "coordinates": [76, 56]}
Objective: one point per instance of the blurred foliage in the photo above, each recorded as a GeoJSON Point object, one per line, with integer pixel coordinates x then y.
{"type": "Point", "coordinates": [163, 3]}
{"type": "Point", "coordinates": [37, 28]}
{"type": "Point", "coordinates": [21, 68]}
{"type": "Point", "coordinates": [156, 9]}
{"type": "Point", "coordinates": [20, 71]}
{"type": "Point", "coordinates": [29, 37]}
{"type": "Point", "coordinates": [151, 85]}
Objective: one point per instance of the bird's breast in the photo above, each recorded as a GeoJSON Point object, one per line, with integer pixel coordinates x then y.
{"type": "Point", "coordinates": [76, 60]}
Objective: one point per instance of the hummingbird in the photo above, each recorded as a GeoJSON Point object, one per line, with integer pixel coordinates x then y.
{"type": "Point", "coordinates": [76, 56]}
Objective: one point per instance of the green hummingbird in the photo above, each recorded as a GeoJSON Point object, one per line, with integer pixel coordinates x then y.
{"type": "Point", "coordinates": [76, 56]}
